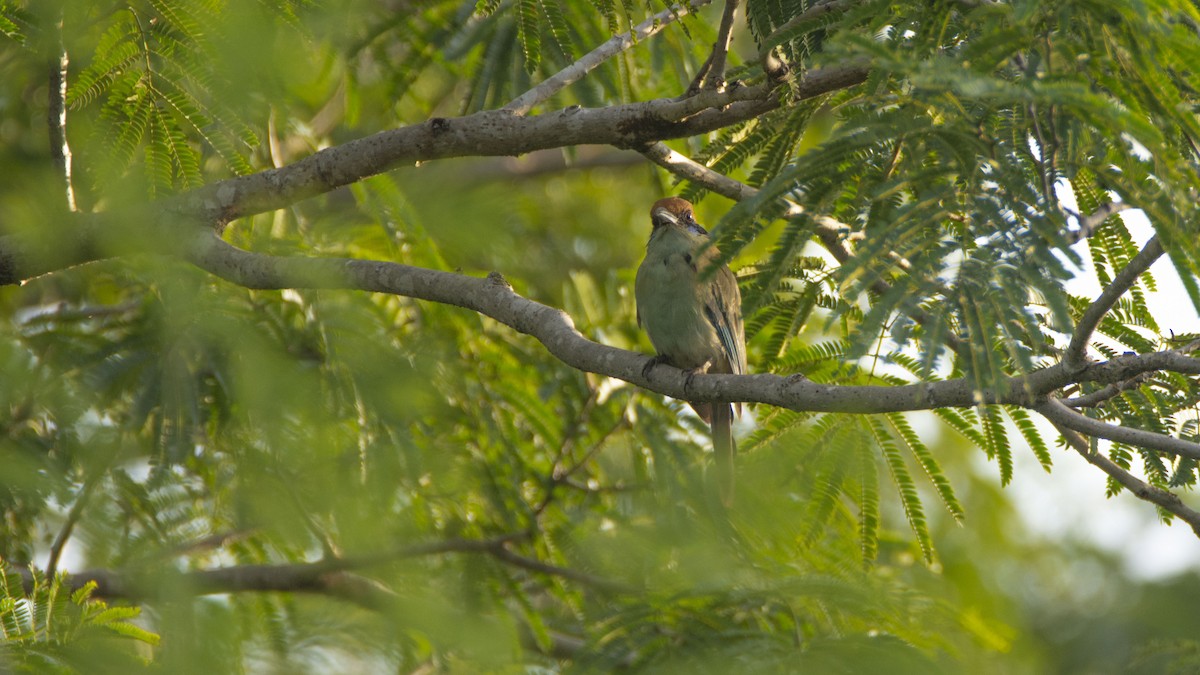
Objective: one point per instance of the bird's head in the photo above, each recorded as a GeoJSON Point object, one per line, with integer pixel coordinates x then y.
{"type": "Point", "coordinates": [677, 213]}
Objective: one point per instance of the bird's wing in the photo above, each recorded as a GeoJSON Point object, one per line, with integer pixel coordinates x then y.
{"type": "Point", "coordinates": [723, 309]}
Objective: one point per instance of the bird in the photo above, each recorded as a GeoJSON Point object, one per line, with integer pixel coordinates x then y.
{"type": "Point", "coordinates": [692, 313]}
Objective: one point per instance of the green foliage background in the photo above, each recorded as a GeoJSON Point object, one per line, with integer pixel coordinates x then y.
{"type": "Point", "coordinates": [193, 424]}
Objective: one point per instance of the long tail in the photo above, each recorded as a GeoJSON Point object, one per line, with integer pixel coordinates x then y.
{"type": "Point", "coordinates": [724, 448]}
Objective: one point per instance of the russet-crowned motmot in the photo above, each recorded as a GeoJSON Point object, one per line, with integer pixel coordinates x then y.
{"type": "Point", "coordinates": [693, 315]}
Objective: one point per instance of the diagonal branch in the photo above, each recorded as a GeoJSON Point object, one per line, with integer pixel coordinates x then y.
{"type": "Point", "coordinates": [831, 232]}
{"type": "Point", "coordinates": [1103, 394]}
{"type": "Point", "coordinates": [1075, 356]}
{"type": "Point", "coordinates": [1164, 499]}
{"type": "Point", "coordinates": [1089, 223]}
{"type": "Point", "coordinates": [600, 583]}
{"type": "Point", "coordinates": [714, 78]}
{"type": "Point", "coordinates": [73, 516]}
{"type": "Point", "coordinates": [585, 64]}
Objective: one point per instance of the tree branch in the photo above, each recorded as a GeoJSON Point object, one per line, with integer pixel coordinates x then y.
{"type": "Point", "coordinates": [534, 565]}
{"type": "Point", "coordinates": [585, 64]}
{"type": "Point", "coordinates": [493, 133]}
{"type": "Point", "coordinates": [715, 77]}
{"type": "Point", "coordinates": [1105, 393]}
{"type": "Point", "coordinates": [1166, 500]}
{"type": "Point", "coordinates": [486, 133]}
{"type": "Point", "coordinates": [494, 298]}
{"type": "Point", "coordinates": [1057, 412]}
{"type": "Point", "coordinates": [333, 576]}
{"type": "Point", "coordinates": [73, 516]}
{"type": "Point", "coordinates": [1075, 356]}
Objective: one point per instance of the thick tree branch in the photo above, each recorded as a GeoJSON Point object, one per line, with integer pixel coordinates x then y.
{"type": "Point", "coordinates": [615, 45]}
{"type": "Point", "coordinates": [493, 133]}
{"type": "Point", "coordinates": [1075, 356]}
{"type": "Point", "coordinates": [486, 133]}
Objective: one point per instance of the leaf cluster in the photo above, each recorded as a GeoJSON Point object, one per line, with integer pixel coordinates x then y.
{"type": "Point", "coordinates": [46, 627]}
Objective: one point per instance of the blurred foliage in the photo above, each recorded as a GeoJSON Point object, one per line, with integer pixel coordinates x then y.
{"type": "Point", "coordinates": [51, 629]}
{"type": "Point", "coordinates": [198, 425]}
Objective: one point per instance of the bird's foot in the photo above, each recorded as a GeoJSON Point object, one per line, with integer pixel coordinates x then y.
{"type": "Point", "coordinates": [691, 373]}
{"type": "Point", "coordinates": [654, 361]}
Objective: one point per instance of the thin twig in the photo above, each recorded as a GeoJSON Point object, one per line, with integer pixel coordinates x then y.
{"type": "Point", "coordinates": [1045, 165]}
{"type": "Point", "coordinates": [563, 476]}
{"type": "Point", "coordinates": [60, 150]}
{"type": "Point", "coordinates": [73, 516]}
{"type": "Point", "coordinates": [1101, 395]}
{"type": "Point", "coordinates": [534, 565]}
{"type": "Point", "coordinates": [212, 541]}
{"type": "Point", "coordinates": [585, 64]}
{"type": "Point", "coordinates": [1089, 223]}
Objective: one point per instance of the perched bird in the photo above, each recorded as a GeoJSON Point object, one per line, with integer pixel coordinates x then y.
{"type": "Point", "coordinates": [693, 315]}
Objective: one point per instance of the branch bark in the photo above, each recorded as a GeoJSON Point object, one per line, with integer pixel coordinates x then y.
{"type": "Point", "coordinates": [489, 133]}
{"type": "Point", "coordinates": [486, 133]}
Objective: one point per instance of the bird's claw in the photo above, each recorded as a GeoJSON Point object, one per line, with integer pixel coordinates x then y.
{"type": "Point", "coordinates": [691, 373]}
{"type": "Point", "coordinates": [654, 361]}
